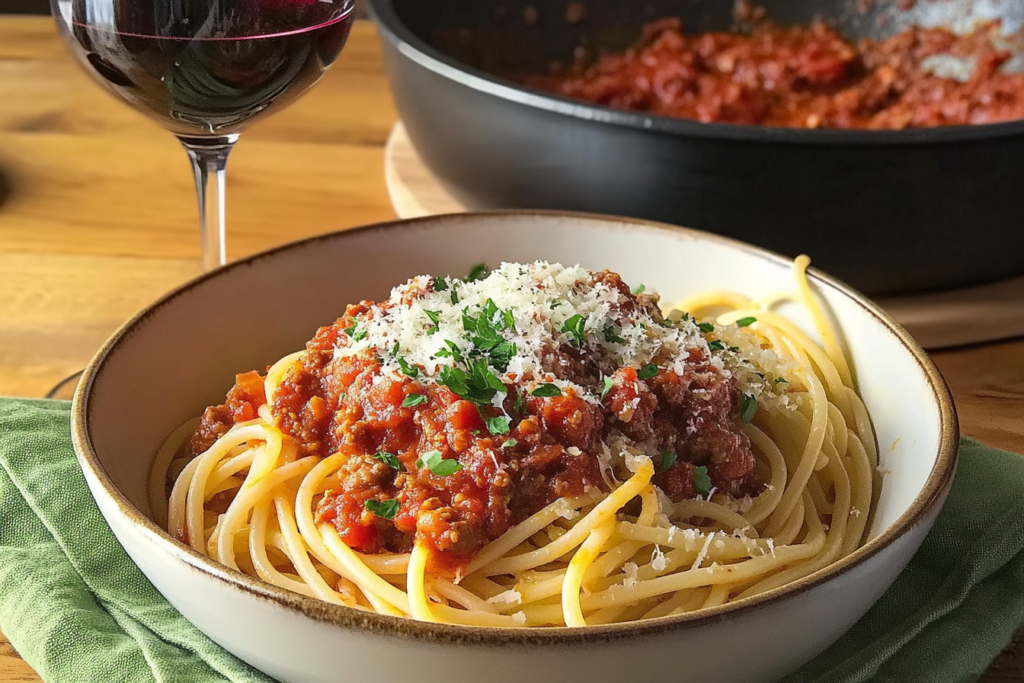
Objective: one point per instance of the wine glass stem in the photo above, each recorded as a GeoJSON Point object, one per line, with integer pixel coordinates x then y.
{"type": "Point", "coordinates": [209, 160]}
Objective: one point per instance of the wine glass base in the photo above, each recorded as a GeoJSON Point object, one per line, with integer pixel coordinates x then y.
{"type": "Point", "coordinates": [65, 389]}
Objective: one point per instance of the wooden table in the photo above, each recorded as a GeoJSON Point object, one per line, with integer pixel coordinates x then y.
{"type": "Point", "coordinates": [101, 219]}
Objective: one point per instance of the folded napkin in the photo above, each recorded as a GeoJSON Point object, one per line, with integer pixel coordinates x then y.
{"type": "Point", "coordinates": [78, 610]}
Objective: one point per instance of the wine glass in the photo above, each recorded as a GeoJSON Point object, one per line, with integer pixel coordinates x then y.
{"type": "Point", "coordinates": [206, 69]}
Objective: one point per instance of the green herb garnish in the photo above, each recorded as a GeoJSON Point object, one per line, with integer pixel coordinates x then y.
{"type": "Point", "coordinates": [440, 284]}
{"type": "Point", "coordinates": [477, 272]}
{"type": "Point", "coordinates": [781, 380]}
{"type": "Point", "coordinates": [413, 400]}
{"type": "Point", "coordinates": [716, 345]}
{"type": "Point", "coordinates": [434, 317]}
{"type": "Point", "coordinates": [478, 385]}
{"type": "Point", "coordinates": [701, 480]}
{"type": "Point", "coordinates": [385, 509]}
{"type": "Point", "coordinates": [611, 335]}
{"type": "Point", "coordinates": [648, 371]}
{"type": "Point", "coordinates": [638, 290]}
{"type": "Point", "coordinates": [748, 407]}
{"type": "Point", "coordinates": [574, 328]}
{"type": "Point", "coordinates": [518, 403]}
{"type": "Point", "coordinates": [668, 458]}
{"type": "Point", "coordinates": [546, 390]}
{"type": "Point", "coordinates": [509, 443]}
{"type": "Point", "coordinates": [608, 384]}
{"type": "Point", "coordinates": [706, 327]}
{"type": "Point", "coordinates": [434, 461]}
{"type": "Point", "coordinates": [389, 459]}
{"type": "Point", "coordinates": [743, 322]}
{"type": "Point", "coordinates": [498, 425]}
{"type": "Point", "coordinates": [407, 369]}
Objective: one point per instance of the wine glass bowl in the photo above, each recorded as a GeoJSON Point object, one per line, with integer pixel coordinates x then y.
{"type": "Point", "coordinates": [205, 70]}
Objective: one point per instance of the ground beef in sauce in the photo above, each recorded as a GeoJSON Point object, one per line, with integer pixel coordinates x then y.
{"type": "Point", "coordinates": [803, 77]}
{"type": "Point", "coordinates": [347, 404]}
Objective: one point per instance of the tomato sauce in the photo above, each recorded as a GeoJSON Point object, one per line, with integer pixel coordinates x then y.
{"type": "Point", "coordinates": [423, 464]}
{"type": "Point", "coordinates": [804, 77]}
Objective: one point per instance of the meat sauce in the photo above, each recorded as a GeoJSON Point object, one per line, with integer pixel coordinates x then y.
{"type": "Point", "coordinates": [347, 404]}
{"type": "Point", "coordinates": [804, 77]}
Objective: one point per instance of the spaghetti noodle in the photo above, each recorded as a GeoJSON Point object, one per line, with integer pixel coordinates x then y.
{"type": "Point", "coordinates": [534, 446]}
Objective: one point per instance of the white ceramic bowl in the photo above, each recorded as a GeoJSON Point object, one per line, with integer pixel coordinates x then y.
{"type": "Point", "coordinates": [182, 353]}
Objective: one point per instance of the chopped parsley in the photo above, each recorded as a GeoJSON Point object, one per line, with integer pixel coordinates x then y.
{"type": "Point", "coordinates": [477, 272]}
{"type": "Point", "coordinates": [509, 443]}
{"type": "Point", "coordinates": [706, 327]}
{"type": "Point", "coordinates": [546, 390]}
{"type": "Point", "coordinates": [478, 385]}
{"type": "Point", "coordinates": [716, 345]}
{"type": "Point", "coordinates": [413, 400]}
{"type": "Point", "coordinates": [748, 407]}
{"type": "Point", "coordinates": [434, 316]}
{"type": "Point", "coordinates": [518, 403]}
{"type": "Point", "coordinates": [389, 459]}
{"type": "Point", "coordinates": [498, 425]}
{"type": "Point", "coordinates": [454, 296]}
{"type": "Point", "coordinates": [667, 460]}
{"type": "Point", "coordinates": [484, 333]}
{"type": "Point", "coordinates": [781, 380]}
{"type": "Point", "coordinates": [440, 284]}
{"type": "Point", "coordinates": [611, 334]}
{"type": "Point", "coordinates": [638, 290]}
{"type": "Point", "coordinates": [648, 371]}
{"type": "Point", "coordinates": [574, 328]}
{"type": "Point", "coordinates": [608, 384]}
{"type": "Point", "coordinates": [407, 369]}
{"type": "Point", "coordinates": [701, 480]}
{"type": "Point", "coordinates": [354, 332]}
{"type": "Point", "coordinates": [744, 322]}
{"type": "Point", "coordinates": [556, 303]}
{"type": "Point", "coordinates": [434, 461]}
{"type": "Point", "coordinates": [385, 509]}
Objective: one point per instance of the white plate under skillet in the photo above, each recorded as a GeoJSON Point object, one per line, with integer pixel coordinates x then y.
{"type": "Point", "coordinates": [182, 353]}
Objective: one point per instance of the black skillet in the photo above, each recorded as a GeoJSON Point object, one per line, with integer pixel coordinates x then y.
{"type": "Point", "coordinates": [887, 211]}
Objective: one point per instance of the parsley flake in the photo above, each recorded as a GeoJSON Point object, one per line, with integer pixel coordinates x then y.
{"type": "Point", "coordinates": [440, 284]}
{"type": "Point", "coordinates": [477, 272]}
{"type": "Point", "coordinates": [608, 384]}
{"type": "Point", "coordinates": [744, 322]}
{"type": "Point", "coordinates": [611, 335]}
{"type": "Point", "coordinates": [701, 480]}
{"type": "Point", "coordinates": [546, 390]}
{"type": "Point", "coordinates": [498, 425]}
{"type": "Point", "coordinates": [781, 380]}
{"type": "Point", "coordinates": [638, 290]}
{"type": "Point", "coordinates": [668, 459]}
{"type": "Point", "coordinates": [648, 371]}
{"type": "Point", "coordinates": [408, 369]}
{"type": "Point", "coordinates": [509, 443]}
{"type": "Point", "coordinates": [518, 403]}
{"type": "Point", "coordinates": [716, 345]}
{"type": "Point", "coordinates": [748, 407]}
{"type": "Point", "coordinates": [413, 400]}
{"type": "Point", "coordinates": [385, 509]}
{"type": "Point", "coordinates": [435, 462]}
{"type": "Point", "coordinates": [706, 327]}
{"type": "Point", "coordinates": [574, 328]}
{"type": "Point", "coordinates": [389, 459]}
{"type": "Point", "coordinates": [434, 316]}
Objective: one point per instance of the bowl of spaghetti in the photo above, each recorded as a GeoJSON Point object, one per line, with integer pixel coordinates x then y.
{"type": "Point", "coordinates": [517, 446]}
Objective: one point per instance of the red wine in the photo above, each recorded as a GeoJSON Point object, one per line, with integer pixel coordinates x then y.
{"type": "Point", "coordinates": [207, 67]}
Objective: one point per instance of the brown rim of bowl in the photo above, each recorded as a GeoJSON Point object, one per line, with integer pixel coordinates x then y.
{"type": "Point", "coordinates": [931, 493]}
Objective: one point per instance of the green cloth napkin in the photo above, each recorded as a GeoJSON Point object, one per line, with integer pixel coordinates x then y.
{"type": "Point", "coordinates": [78, 610]}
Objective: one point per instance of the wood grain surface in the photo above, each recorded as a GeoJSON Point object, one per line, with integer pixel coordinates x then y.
{"type": "Point", "coordinates": [100, 219]}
